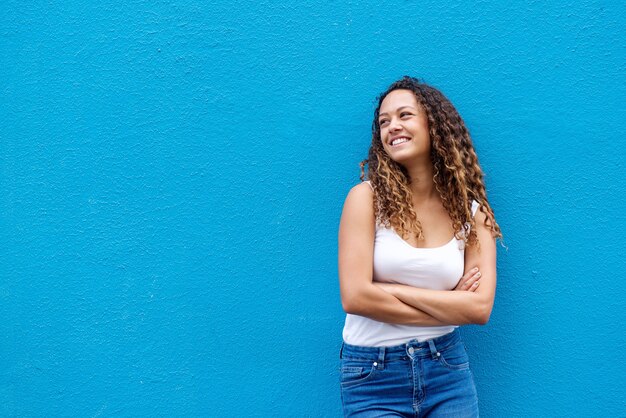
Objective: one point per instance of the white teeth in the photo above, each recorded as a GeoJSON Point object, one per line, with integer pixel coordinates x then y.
{"type": "Point", "coordinates": [399, 141]}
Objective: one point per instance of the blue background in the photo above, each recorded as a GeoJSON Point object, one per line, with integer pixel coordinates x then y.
{"type": "Point", "coordinates": [172, 176]}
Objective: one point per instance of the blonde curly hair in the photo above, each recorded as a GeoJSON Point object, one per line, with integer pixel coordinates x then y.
{"type": "Point", "coordinates": [457, 175]}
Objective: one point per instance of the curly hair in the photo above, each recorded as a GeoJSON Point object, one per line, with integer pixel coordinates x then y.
{"type": "Point", "coordinates": [458, 177]}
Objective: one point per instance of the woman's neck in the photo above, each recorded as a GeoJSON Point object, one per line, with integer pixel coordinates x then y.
{"type": "Point", "coordinates": [422, 181]}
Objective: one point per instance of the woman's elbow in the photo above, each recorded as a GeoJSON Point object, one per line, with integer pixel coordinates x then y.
{"type": "Point", "coordinates": [355, 301]}
{"type": "Point", "coordinates": [347, 305]}
{"type": "Point", "coordinates": [350, 303]}
{"type": "Point", "coordinates": [482, 314]}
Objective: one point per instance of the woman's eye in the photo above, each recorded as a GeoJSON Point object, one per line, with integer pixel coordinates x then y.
{"type": "Point", "coordinates": [382, 122]}
{"type": "Point", "coordinates": [403, 114]}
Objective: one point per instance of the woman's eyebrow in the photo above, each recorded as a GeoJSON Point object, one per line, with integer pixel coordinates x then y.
{"type": "Point", "coordinates": [400, 108]}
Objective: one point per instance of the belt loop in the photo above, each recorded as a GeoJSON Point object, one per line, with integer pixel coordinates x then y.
{"type": "Point", "coordinates": [381, 357]}
{"type": "Point", "coordinates": [341, 351]}
{"type": "Point", "coordinates": [433, 350]}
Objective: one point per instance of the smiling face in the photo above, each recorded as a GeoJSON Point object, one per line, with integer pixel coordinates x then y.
{"type": "Point", "coordinates": [404, 127]}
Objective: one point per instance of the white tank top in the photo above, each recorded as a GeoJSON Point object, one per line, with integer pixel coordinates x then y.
{"type": "Point", "coordinates": [397, 261]}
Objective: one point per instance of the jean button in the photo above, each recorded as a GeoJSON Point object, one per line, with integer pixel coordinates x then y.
{"type": "Point", "coordinates": [411, 350]}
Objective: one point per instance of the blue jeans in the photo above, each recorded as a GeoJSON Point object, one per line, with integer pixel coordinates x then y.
{"type": "Point", "coordinates": [427, 379]}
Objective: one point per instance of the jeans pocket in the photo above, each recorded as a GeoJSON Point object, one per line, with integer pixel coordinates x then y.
{"type": "Point", "coordinates": [356, 372]}
{"type": "Point", "coordinates": [455, 357]}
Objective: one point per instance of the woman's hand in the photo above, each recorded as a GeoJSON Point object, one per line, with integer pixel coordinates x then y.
{"type": "Point", "coordinates": [470, 281]}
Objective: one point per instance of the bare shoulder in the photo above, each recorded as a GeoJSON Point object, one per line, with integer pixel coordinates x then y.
{"type": "Point", "coordinates": [360, 200]}
{"type": "Point", "coordinates": [479, 217]}
{"type": "Point", "coordinates": [482, 228]}
{"type": "Point", "coordinates": [359, 206]}
{"type": "Point", "coordinates": [483, 255]}
{"type": "Point", "coordinates": [362, 188]}
{"type": "Point", "coordinates": [483, 234]}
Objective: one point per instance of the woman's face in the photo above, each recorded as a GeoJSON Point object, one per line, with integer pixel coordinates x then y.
{"type": "Point", "coordinates": [404, 127]}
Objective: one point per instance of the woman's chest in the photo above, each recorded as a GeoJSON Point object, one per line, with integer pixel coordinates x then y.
{"type": "Point", "coordinates": [436, 226]}
{"type": "Point", "coordinates": [396, 261]}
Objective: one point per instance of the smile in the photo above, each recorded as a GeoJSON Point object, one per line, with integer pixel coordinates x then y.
{"type": "Point", "coordinates": [400, 140]}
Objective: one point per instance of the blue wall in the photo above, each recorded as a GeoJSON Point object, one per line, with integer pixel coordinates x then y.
{"type": "Point", "coordinates": [172, 176]}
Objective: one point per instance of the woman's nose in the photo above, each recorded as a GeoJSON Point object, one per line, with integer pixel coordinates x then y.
{"type": "Point", "coordinates": [393, 124]}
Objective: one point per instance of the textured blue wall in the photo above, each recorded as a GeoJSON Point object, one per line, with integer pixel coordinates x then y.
{"type": "Point", "coordinates": [172, 175]}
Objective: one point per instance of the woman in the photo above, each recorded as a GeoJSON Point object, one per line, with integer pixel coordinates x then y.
{"type": "Point", "coordinates": [417, 258]}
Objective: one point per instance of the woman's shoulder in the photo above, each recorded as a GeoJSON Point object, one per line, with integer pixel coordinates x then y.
{"type": "Point", "coordinates": [363, 189]}
{"type": "Point", "coordinates": [359, 202]}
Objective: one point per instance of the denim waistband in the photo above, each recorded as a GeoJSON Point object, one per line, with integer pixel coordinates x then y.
{"type": "Point", "coordinates": [413, 348]}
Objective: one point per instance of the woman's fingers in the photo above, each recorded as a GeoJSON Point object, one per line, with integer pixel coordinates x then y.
{"type": "Point", "coordinates": [473, 282]}
{"type": "Point", "coordinates": [468, 280]}
{"type": "Point", "coordinates": [461, 284]}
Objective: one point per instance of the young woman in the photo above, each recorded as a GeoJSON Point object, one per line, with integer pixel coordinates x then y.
{"type": "Point", "coordinates": [417, 258]}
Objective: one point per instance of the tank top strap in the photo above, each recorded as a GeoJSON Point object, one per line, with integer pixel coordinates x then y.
{"type": "Point", "coordinates": [475, 206]}
{"type": "Point", "coordinates": [369, 184]}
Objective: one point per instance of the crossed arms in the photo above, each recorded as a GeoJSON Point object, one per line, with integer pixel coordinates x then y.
{"type": "Point", "coordinates": [467, 303]}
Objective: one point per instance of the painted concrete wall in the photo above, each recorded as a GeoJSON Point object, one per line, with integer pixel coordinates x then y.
{"type": "Point", "coordinates": [172, 175]}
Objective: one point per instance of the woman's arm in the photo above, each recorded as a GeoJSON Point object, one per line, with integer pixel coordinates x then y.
{"type": "Point", "coordinates": [359, 295]}
{"type": "Point", "coordinates": [459, 307]}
